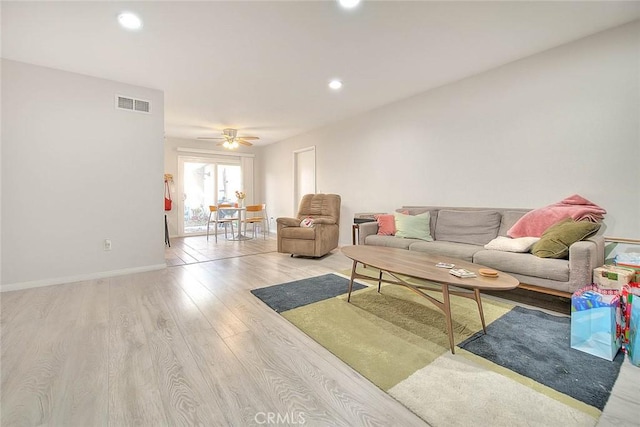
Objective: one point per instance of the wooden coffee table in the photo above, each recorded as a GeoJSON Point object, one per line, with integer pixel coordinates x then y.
{"type": "Point", "coordinates": [423, 266]}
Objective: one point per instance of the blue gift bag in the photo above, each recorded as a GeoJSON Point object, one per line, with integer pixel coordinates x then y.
{"type": "Point", "coordinates": [595, 320]}
{"type": "Point", "coordinates": [633, 348]}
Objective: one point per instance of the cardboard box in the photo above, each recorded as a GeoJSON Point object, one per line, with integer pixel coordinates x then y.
{"type": "Point", "coordinates": [613, 277]}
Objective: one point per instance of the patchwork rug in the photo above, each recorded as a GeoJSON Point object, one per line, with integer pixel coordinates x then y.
{"type": "Point", "coordinates": [522, 372]}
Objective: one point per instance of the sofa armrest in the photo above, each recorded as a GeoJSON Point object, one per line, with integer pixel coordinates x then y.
{"type": "Point", "coordinates": [366, 229]}
{"type": "Point", "coordinates": [288, 222]}
{"type": "Point", "coordinates": [584, 256]}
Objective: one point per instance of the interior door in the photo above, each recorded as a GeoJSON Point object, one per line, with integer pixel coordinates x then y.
{"type": "Point", "coordinates": [304, 170]}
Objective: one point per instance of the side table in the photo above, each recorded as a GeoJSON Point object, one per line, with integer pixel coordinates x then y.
{"type": "Point", "coordinates": [358, 219]}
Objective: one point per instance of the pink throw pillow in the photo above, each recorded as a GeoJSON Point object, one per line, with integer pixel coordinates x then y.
{"type": "Point", "coordinates": [386, 224]}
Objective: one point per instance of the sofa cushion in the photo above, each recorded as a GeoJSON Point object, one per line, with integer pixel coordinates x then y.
{"type": "Point", "coordinates": [524, 263]}
{"type": "Point", "coordinates": [555, 241]}
{"type": "Point", "coordinates": [461, 251]}
{"type": "Point", "coordinates": [389, 241]}
{"type": "Point", "coordinates": [509, 218]}
{"type": "Point", "coordinates": [413, 226]}
{"type": "Point", "coordinates": [471, 227]}
{"type": "Point", "coordinates": [507, 244]}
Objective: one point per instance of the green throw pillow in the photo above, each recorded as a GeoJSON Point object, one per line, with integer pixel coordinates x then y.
{"type": "Point", "coordinates": [413, 226]}
{"type": "Point", "coordinates": [555, 241]}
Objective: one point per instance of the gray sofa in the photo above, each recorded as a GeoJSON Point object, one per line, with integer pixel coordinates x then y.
{"type": "Point", "coordinates": [462, 232]}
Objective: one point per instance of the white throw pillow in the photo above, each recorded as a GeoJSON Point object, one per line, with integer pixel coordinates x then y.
{"type": "Point", "coordinates": [307, 222]}
{"type": "Point", "coordinates": [507, 244]}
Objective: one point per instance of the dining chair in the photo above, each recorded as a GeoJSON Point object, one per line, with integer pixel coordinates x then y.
{"type": "Point", "coordinates": [257, 215]}
{"type": "Point", "coordinates": [214, 218]}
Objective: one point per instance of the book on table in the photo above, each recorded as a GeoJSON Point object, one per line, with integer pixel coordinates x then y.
{"type": "Point", "coordinates": [445, 265]}
{"type": "Point", "coordinates": [462, 272]}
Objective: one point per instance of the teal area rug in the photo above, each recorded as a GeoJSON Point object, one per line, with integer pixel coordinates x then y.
{"type": "Point", "coordinates": [538, 345]}
{"type": "Point", "coordinates": [296, 294]}
{"type": "Point", "coordinates": [398, 341]}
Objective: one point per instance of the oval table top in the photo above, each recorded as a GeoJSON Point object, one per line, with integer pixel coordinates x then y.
{"type": "Point", "coordinates": [421, 265]}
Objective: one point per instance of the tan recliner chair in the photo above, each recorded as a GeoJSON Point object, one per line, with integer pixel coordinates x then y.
{"type": "Point", "coordinates": [317, 240]}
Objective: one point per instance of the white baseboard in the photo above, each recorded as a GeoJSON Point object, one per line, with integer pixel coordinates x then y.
{"type": "Point", "coordinates": [79, 278]}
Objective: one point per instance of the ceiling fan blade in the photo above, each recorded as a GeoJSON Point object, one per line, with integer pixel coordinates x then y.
{"type": "Point", "coordinates": [243, 142]}
{"type": "Point", "coordinates": [205, 137]}
{"type": "Point", "coordinates": [248, 137]}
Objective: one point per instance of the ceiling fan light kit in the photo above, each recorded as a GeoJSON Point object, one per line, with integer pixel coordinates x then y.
{"type": "Point", "coordinates": [230, 145]}
{"type": "Point", "coordinates": [232, 140]}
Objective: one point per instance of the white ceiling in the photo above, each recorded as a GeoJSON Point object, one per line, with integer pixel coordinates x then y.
{"type": "Point", "coordinates": [263, 67]}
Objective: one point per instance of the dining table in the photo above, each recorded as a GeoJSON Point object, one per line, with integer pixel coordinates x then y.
{"type": "Point", "coordinates": [242, 212]}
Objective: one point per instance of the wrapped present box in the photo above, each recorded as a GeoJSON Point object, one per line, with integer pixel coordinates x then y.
{"type": "Point", "coordinates": [613, 277]}
{"type": "Point", "coordinates": [629, 260]}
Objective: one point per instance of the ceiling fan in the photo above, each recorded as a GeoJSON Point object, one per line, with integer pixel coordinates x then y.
{"type": "Point", "coordinates": [231, 139]}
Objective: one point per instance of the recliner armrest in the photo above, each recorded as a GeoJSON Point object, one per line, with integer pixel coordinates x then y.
{"type": "Point", "coordinates": [288, 222]}
{"type": "Point", "coordinates": [324, 221]}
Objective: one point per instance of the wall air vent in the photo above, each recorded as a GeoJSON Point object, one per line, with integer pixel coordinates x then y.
{"type": "Point", "coordinates": [142, 106]}
{"type": "Point", "coordinates": [132, 104]}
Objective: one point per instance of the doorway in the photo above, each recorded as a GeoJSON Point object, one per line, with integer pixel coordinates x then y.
{"type": "Point", "coordinates": [205, 182]}
{"type": "Point", "coordinates": [304, 174]}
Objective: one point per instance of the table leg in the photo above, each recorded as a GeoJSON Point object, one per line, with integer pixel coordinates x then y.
{"type": "Point", "coordinates": [446, 307]}
{"type": "Point", "coordinates": [353, 273]}
{"type": "Point", "coordinates": [379, 281]}
{"type": "Point", "coordinates": [476, 292]}
{"type": "Point", "coordinates": [239, 236]}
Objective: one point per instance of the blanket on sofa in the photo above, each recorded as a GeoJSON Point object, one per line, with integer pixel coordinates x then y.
{"type": "Point", "coordinates": [535, 222]}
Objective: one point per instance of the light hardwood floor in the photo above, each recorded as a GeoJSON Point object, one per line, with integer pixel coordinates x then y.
{"type": "Point", "coordinates": [190, 345]}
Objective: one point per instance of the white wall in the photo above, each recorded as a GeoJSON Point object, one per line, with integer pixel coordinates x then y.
{"type": "Point", "coordinates": [526, 134]}
{"type": "Point", "coordinates": [76, 171]}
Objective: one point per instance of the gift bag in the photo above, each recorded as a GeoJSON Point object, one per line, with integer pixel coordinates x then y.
{"type": "Point", "coordinates": [167, 197]}
{"type": "Point", "coordinates": [633, 348]}
{"type": "Point", "coordinates": [626, 298]}
{"type": "Point", "coordinates": [631, 321]}
{"type": "Point", "coordinates": [595, 321]}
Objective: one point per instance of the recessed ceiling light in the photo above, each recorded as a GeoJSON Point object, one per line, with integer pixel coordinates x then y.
{"type": "Point", "coordinates": [349, 4]}
{"type": "Point", "coordinates": [130, 21]}
{"type": "Point", "coordinates": [335, 84]}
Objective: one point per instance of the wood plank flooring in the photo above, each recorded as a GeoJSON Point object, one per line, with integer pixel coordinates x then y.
{"type": "Point", "coordinates": [190, 345]}
{"type": "Point", "coordinates": [184, 346]}
{"type": "Point", "coordinates": [194, 249]}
